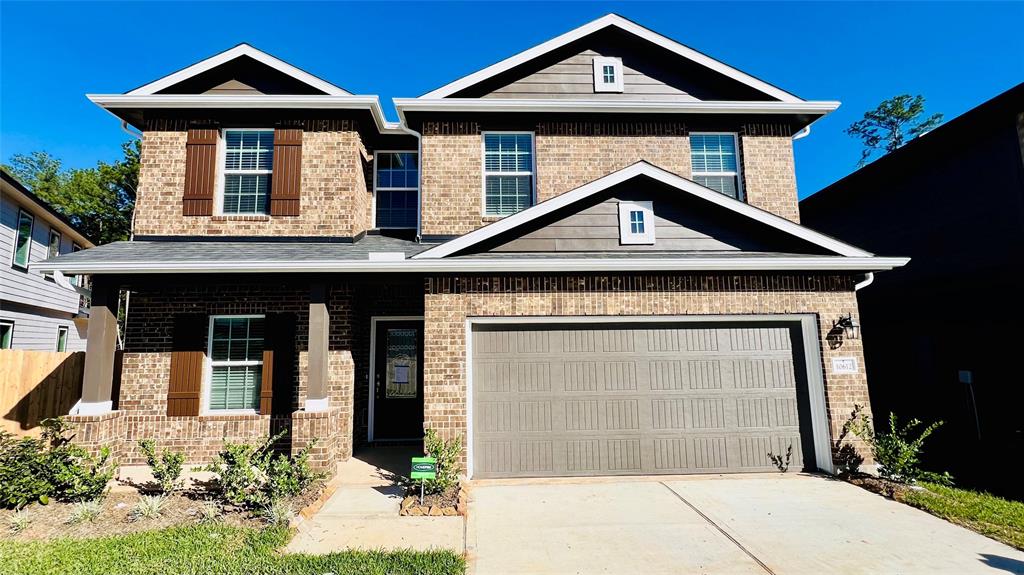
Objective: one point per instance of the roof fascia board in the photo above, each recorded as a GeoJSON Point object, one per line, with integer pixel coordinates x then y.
{"type": "Point", "coordinates": [170, 101]}
{"type": "Point", "coordinates": [640, 169]}
{"type": "Point", "coordinates": [623, 24]}
{"type": "Point", "coordinates": [823, 263]}
{"type": "Point", "coordinates": [230, 54]}
{"type": "Point", "coordinates": [611, 106]}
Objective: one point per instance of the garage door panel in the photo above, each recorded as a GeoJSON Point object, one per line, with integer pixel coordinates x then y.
{"type": "Point", "coordinates": [632, 400]}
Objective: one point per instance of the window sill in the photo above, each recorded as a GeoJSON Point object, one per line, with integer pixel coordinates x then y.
{"type": "Point", "coordinates": [247, 415]}
{"type": "Point", "coordinates": [259, 218]}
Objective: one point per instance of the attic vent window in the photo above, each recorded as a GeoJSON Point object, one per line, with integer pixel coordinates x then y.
{"type": "Point", "coordinates": [607, 74]}
{"type": "Point", "coordinates": [636, 223]}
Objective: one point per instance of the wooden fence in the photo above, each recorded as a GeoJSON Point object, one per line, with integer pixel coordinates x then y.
{"type": "Point", "coordinates": [35, 385]}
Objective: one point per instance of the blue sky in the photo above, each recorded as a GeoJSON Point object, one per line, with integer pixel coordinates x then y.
{"type": "Point", "coordinates": [956, 54]}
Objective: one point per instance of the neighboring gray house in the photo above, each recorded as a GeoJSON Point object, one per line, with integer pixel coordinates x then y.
{"type": "Point", "coordinates": [37, 311]}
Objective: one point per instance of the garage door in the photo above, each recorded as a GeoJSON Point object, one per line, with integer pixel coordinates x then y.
{"type": "Point", "coordinates": [620, 399]}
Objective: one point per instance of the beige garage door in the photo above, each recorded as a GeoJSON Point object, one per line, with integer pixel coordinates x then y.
{"type": "Point", "coordinates": [620, 399]}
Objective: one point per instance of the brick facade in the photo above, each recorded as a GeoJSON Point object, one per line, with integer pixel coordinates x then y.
{"type": "Point", "coordinates": [449, 300]}
{"type": "Point", "coordinates": [336, 199]}
{"type": "Point", "coordinates": [769, 171]}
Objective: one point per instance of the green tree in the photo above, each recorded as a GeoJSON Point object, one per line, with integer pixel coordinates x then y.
{"type": "Point", "coordinates": [99, 201]}
{"type": "Point", "coordinates": [892, 123]}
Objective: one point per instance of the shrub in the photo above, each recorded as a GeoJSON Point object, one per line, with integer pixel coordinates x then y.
{"type": "Point", "coordinates": [447, 455]}
{"type": "Point", "coordinates": [149, 507]}
{"type": "Point", "coordinates": [897, 454]}
{"type": "Point", "coordinates": [254, 476]}
{"type": "Point", "coordinates": [166, 466]}
{"type": "Point", "coordinates": [36, 469]}
{"type": "Point", "coordinates": [278, 512]}
{"type": "Point", "coordinates": [18, 521]}
{"type": "Point", "coordinates": [85, 511]}
{"type": "Point", "coordinates": [209, 512]}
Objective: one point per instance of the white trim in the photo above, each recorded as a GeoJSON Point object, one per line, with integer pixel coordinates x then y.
{"type": "Point", "coordinates": [232, 54]}
{"type": "Point", "coordinates": [610, 106]}
{"type": "Point", "coordinates": [112, 102]}
{"type": "Point", "coordinates": [623, 24]}
{"type": "Point", "coordinates": [93, 408]}
{"type": "Point", "coordinates": [221, 172]}
{"type": "Point", "coordinates": [599, 84]}
{"type": "Point", "coordinates": [582, 264]}
{"type": "Point", "coordinates": [373, 203]}
{"type": "Point", "coordinates": [484, 173]}
{"type": "Point", "coordinates": [740, 188]}
{"type": "Point", "coordinates": [204, 408]}
{"type": "Point", "coordinates": [322, 404]}
{"type": "Point", "coordinates": [372, 362]}
{"type": "Point", "coordinates": [808, 325]}
{"type": "Point", "coordinates": [626, 234]}
{"type": "Point", "coordinates": [14, 245]}
{"type": "Point", "coordinates": [641, 169]}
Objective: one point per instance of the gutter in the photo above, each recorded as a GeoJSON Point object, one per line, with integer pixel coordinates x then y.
{"type": "Point", "coordinates": [481, 265]}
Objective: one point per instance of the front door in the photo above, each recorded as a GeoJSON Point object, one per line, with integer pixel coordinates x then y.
{"type": "Point", "coordinates": [398, 380]}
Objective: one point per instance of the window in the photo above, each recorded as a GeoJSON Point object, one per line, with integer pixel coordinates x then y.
{"type": "Point", "coordinates": [508, 172]}
{"type": "Point", "coordinates": [62, 338]}
{"type": "Point", "coordinates": [23, 241]}
{"type": "Point", "coordinates": [248, 163]}
{"type": "Point", "coordinates": [75, 279]}
{"type": "Point", "coordinates": [6, 334]}
{"type": "Point", "coordinates": [607, 74]}
{"type": "Point", "coordinates": [715, 163]}
{"type": "Point", "coordinates": [396, 183]}
{"type": "Point", "coordinates": [53, 248]}
{"type": "Point", "coordinates": [636, 223]}
{"type": "Point", "coordinates": [236, 363]}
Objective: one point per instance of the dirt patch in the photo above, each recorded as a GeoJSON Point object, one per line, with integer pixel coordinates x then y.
{"type": "Point", "coordinates": [116, 516]}
{"type": "Point", "coordinates": [449, 502]}
{"type": "Point", "coordinates": [884, 487]}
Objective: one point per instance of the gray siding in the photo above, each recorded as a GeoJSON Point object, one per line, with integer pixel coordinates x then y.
{"type": "Point", "coordinates": [574, 77]}
{"type": "Point", "coordinates": [36, 329]}
{"type": "Point", "coordinates": [26, 287]}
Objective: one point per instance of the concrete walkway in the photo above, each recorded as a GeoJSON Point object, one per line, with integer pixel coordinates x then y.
{"type": "Point", "coordinates": [363, 512]}
{"type": "Point", "coordinates": [765, 524]}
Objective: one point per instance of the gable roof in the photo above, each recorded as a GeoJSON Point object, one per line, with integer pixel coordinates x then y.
{"type": "Point", "coordinates": [232, 54]}
{"type": "Point", "coordinates": [638, 169]}
{"type": "Point", "coordinates": [623, 24]}
{"type": "Point", "coordinates": [24, 196]}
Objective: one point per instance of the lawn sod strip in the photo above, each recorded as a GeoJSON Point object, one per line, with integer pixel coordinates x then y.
{"type": "Point", "coordinates": [995, 517]}
{"type": "Point", "coordinates": [210, 549]}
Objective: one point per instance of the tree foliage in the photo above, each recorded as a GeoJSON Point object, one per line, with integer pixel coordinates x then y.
{"type": "Point", "coordinates": [99, 201]}
{"type": "Point", "coordinates": [891, 124]}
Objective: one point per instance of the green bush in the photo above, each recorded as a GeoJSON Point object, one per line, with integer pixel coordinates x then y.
{"type": "Point", "coordinates": [37, 469]}
{"type": "Point", "coordinates": [166, 466]}
{"type": "Point", "coordinates": [254, 476]}
{"type": "Point", "coordinates": [897, 454]}
{"type": "Point", "coordinates": [447, 455]}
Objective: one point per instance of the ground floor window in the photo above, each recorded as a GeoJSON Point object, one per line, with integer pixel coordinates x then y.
{"type": "Point", "coordinates": [62, 338]}
{"type": "Point", "coordinates": [6, 334]}
{"type": "Point", "coordinates": [236, 363]}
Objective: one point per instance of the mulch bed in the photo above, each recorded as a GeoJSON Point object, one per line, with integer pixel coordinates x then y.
{"type": "Point", "coordinates": [878, 485]}
{"type": "Point", "coordinates": [451, 502]}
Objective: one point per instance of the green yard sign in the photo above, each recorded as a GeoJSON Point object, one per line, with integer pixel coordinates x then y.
{"type": "Point", "coordinates": [424, 468]}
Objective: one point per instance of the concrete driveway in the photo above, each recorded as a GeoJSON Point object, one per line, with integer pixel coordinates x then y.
{"type": "Point", "coordinates": [721, 524]}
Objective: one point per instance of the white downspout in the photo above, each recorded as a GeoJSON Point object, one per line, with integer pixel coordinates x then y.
{"type": "Point", "coordinates": [131, 236]}
{"type": "Point", "coordinates": [802, 133]}
{"type": "Point", "coordinates": [868, 279]}
{"type": "Point", "coordinates": [419, 177]}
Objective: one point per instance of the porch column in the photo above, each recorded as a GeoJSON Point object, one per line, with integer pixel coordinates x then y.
{"type": "Point", "coordinates": [101, 343]}
{"type": "Point", "coordinates": [319, 334]}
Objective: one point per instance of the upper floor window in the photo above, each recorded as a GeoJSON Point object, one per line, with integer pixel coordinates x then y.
{"type": "Point", "coordinates": [248, 165]}
{"type": "Point", "coordinates": [23, 240]}
{"type": "Point", "coordinates": [607, 74]}
{"type": "Point", "coordinates": [53, 248]}
{"type": "Point", "coordinates": [715, 163]}
{"type": "Point", "coordinates": [396, 182]}
{"type": "Point", "coordinates": [62, 338]}
{"type": "Point", "coordinates": [636, 222]}
{"type": "Point", "coordinates": [508, 172]}
{"type": "Point", "coordinates": [236, 363]}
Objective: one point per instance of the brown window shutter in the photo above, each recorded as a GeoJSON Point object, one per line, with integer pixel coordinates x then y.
{"type": "Point", "coordinates": [278, 386]}
{"type": "Point", "coordinates": [200, 172]}
{"type": "Point", "coordinates": [187, 359]}
{"type": "Point", "coordinates": [286, 180]}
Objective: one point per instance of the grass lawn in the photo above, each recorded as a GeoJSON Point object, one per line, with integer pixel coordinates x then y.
{"type": "Point", "coordinates": [989, 515]}
{"type": "Point", "coordinates": [214, 549]}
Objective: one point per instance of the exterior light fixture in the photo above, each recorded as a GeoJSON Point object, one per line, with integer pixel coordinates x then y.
{"type": "Point", "coordinates": [850, 326]}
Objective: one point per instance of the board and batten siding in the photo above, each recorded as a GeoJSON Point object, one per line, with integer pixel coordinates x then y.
{"type": "Point", "coordinates": [574, 77]}
{"type": "Point", "coordinates": [28, 287]}
{"type": "Point", "coordinates": [596, 229]}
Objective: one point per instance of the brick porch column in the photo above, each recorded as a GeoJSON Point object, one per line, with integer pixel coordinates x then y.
{"type": "Point", "coordinates": [101, 343]}
{"type": "Point", "coordinates": [319, 336]}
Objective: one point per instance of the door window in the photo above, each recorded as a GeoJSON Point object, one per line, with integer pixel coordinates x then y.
{"type": "Point", "coordinates": [401, 361]}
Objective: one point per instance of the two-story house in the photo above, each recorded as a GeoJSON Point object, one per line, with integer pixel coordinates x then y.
{"type": "Point", "coordinates": [38, 312]}
{"type": "Point", "coordinates": [583, 260]}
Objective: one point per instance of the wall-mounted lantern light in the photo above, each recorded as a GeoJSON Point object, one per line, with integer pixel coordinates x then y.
{"type": "Point", "coordinates": [849, 325]}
